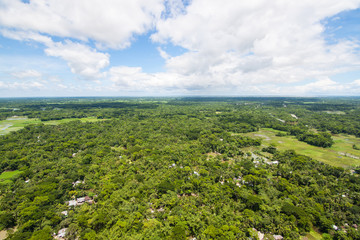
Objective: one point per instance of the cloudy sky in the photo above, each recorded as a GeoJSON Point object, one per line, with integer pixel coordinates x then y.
{"type": "Point", "coordinates": [179, 47]}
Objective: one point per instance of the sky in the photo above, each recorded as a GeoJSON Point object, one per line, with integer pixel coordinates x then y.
{"type": "Point", "coordinates": [52, 48]}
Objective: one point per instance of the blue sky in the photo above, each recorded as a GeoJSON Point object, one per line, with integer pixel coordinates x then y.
{"type": "Point", "coordinates": [344, 25]}
{"type": "Point", "coordinates": [174, 47]}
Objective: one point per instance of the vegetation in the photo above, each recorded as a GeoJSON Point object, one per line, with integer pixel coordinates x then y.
{"type": "Point", "coordinates": [6, 177]}
{"type": "Point", "coordinates": [340, 154]}
{"type": "Point", "coordinates": [17, 123]}
{"type": "Point", "coordinates": [158, 168]}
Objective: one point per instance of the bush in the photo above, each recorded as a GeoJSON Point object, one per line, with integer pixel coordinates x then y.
{"type": "Point", "coordinates": [7, 220]}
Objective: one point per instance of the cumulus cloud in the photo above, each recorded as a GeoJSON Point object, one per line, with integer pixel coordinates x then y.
{"type": "Point", "coordinates": [264, 26]}
{"type": "Point", "coordinates": [81, 59]}
{"type": "Point", "coordinates": [239, 43]}
{"type": "Point", "coordinates": [325, 86]}
{"type": "Point", "coordinates": [134, 79]}
{"type": "Point", "coordinates": [26, 36]}
{"type": "Point", "coordinates": [232, 46]}
{"type": "Point", "coordinates": [128, 76]}
{"type": "Point", "coordinates": [322, 85]}
{"type": "Point", "coordinates": [111, 23]}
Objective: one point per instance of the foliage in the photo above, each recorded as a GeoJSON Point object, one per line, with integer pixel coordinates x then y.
{"type": "Point", "coordinates": [175, 169]}
{"type": "Point", "coordinates": [322, 139]}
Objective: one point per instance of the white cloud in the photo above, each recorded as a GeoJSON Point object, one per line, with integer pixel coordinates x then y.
{"type": "Point", "coordinates": [127, 76]}
{"type": "Point", "coordinates": [62, 86]}
{"type": "Point", "coordinates": [82, 60]}
{"type": "Point", "coordinates": [356, 83]}
{"type": "Point", "coordinates": [112, 23]}
{"type": "Point", "coordinates": [24, 85]}
{"type": "Point", "coordinates": [163, 54]}
{"type": "Point", "coordinates": [212, 25]}
{"type": "Point", "coordinates": [27, 74]}
{"type": "Point", "coordinates": [241, 44]}
{"type": "Point", "coordinates": [173, 8]}
{"type": "Point", "coordinates": [324, 86]}
{"type": "Point", "coordinates": [235, 47]}
{"type": "Point", "coordinates": [134, 79]}
{"type": "Point", "coordinates": [26, 36]}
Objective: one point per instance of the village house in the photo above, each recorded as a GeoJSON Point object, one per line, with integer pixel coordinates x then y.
{"type": "Point", "coordinates": [61, 234]}
{"type": "Point", "coordinates": [80, 201]}
{"type": "Point", "coordinates": [273, 162]}
{"type": "Point", "coordinates": [261, 235]}
{"type": "Point", "coordinates": [278, 237]}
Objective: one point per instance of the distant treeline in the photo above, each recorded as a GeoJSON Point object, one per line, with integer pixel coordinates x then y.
{"type": "Point", "coordinates": [175, 171]}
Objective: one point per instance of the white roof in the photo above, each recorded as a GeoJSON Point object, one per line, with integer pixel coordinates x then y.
{"type": "Point", "coordinates": [62, 232]}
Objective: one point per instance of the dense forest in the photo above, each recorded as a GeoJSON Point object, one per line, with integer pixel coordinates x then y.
{"type": "Point", "coordinates": [177, 168]}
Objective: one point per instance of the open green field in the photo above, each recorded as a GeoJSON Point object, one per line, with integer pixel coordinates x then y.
{"type": "Point", "coordinates": [312, 236]}
{"type": "Point", "coordinates": [341, 154]}
{"type": "Point", "coordinates": [6, 177]}
{"type": "Point", "coordinates": [89, 119]}
{"type": "Point", "coordinates": [16, 123]}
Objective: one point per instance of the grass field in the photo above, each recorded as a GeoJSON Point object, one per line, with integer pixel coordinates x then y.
{"type": "Point", "coordinates": [89, 119]}
{"type": "Point", "coordinates": [312, 236]}
{"type": "Point", "coordinates": [6, 177]}
{"type": "Point", "coordinates": [16, 123]}
{"type": "Point", "coordinates": [341, 154]}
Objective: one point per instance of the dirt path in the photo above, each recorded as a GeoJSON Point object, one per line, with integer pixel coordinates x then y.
{"type": "Point", "coordinates": [3, 234]}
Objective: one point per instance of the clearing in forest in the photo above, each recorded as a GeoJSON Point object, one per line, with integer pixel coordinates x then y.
{"type": "Point", "coordinates": [341, 154]}
{"type": "Point", "coordinates": [18, 122]}
{"type": "Point", "coordinates": [6, 177]}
